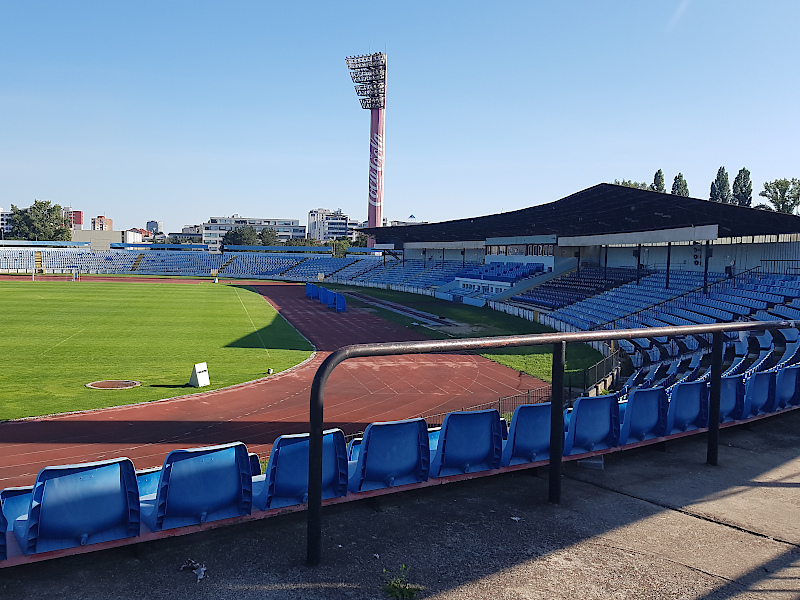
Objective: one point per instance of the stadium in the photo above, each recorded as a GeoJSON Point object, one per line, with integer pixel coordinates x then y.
{"type": "Point", "coordinates": [720, 281]}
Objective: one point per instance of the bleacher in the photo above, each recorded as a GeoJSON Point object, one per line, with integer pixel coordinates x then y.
{"type": "Point", "coordinates": [576, 286]}
{"type": "Point", "coordinates": [109, 503]}
{"type": "Point", "coordinates": [13, 259]}
{"type": "Point", "coordinates": [506, 272]}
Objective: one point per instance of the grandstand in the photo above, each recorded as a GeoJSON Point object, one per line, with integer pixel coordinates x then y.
{"type": "Point", "coordinates": [604, 259]}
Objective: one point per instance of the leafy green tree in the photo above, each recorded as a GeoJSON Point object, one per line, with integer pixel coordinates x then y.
{"type": "Point", "coordinates": [679, 186]}
{"type": "Point", "coordinates": [41, 221]}
{"type": "Point", "coordinates": [301, 242]}
{"type": "Point", "coordinates": [269, 237]}
{"type": "Point", "coordinates": [742, 188]}
{"type": "Point", "coordinates": [639, 185]}
{"type": "Point", "coordinates": [361, 240]}
{"type": "Point", "coordinates": [782, 194]}
{"type": "Point", "coordinates": [721, 188]}
{"type": "Point", "coordinates": [340, 246]}
{"type": "Point", "coordinates": [658, 183]}
{"type": "Point", "coordinates": [241, 236]}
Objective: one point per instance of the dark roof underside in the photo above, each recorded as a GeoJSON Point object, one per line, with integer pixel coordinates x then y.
{"type": "Point", "coordinates": [601, 209]}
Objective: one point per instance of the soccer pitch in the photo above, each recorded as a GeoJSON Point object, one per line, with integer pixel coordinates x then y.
{"type": "Point", "coordinates": [59, 336]}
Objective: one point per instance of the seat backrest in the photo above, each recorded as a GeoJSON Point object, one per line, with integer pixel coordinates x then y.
{"type": "Point", "coordinates": [645, 415]}
{"type": "Point", "coordinates": [204, 484]}
{"type": "Point", "coordinates": [469, 441]}
{"type": "Point", "coordinates": [75, 505]}
{"type": "Point", "coordinates": [759, 394]}
{"type": "Point", "coordinates": [731, 398]}
{"type": "Point", "coordinates": [528, 436]}
{"type": "Point", "coordinates": [287, 470]}
{"type": "Point", "coordinates": [391, 454]}
{"type": "Point", "coordinates": [593, 425]}
{"type": "Point", "coordinates": [787, 387]}
{"type": "Point", "coordinates": [688, 407]}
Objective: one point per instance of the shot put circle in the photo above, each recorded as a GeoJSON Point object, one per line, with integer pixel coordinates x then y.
{"type": "Point", "coordinates": [113, 384]}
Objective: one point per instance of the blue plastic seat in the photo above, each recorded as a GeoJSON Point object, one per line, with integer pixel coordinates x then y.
{"type": "Point", "coordinates": [787, 387]}
{"type": "Point", "coordinates": [353, 448]}
{"type": "Point", "coordinates": [3, 528]}
{"type": "Point", "coordinates": [643, 416]}
{"type": "Point", "coordinates": [688, 407]}
{"type": "Point", "coordinates": [469, 441]}
{"type": "Point", "coordinates": [759, 394]}
{"type": "Point", "coordinates": [285, 482]}
{"type": "Point", "coordinates": [197, 486]}
{"type": "Point", "coordinates": [255, 463]}
{"type": "Point", "coordinates": [391, 454]}
{"type": "Point", "coordinates": [593, 425]}
{"type": "Point", "coordinates": [529, 435]}
{"type": "Point", "coordinates": [731, 398]}
{"type": "Point", "coordinates": [74, 505]}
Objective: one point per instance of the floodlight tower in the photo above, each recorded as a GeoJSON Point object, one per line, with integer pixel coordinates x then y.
{"type": "Point", "coordinates": [368, 72]}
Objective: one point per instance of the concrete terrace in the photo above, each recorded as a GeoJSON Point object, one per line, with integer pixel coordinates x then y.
{"type": "Point", "coordinates": [656, 523]}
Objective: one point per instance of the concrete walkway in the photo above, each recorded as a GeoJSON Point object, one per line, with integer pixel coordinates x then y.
{"type": "Point", "coordinates": [656, 523]}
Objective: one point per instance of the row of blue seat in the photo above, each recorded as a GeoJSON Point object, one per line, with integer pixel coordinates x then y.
{"type": "Point", "coordinates": [76, 505]}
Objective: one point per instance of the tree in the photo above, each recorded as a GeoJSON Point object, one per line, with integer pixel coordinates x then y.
{"type": "Point", "coordinates": [301, 242]}
{"type": "Point", "coordinates": [241, 236]}
{"type": "Point", "coordinates": [742, 188]}
{"type": "Point", "coordinates": [721, 188]}
{"type": "Point", "coordinates": [269, 237]}
{"type": "Point", "coordinates": [41, 221]}
{"type": "Point", "coordinates": [340, 246]}
{"type": "Point", "coordinates": [782, 194]}
{"type": "Point", "coordinates": [658, 183]}
{"type": "Point", "coordinates": [361, 240]}
{"type": "Point", "coordinates": [632, 184]}
{"type": "Point", "coordinates": [679, 186]}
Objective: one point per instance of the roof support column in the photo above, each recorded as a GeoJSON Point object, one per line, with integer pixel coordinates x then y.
{"type": "Point", "coordinates": [669, 259]}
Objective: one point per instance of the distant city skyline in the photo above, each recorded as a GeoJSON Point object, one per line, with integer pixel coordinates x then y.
{"type": "Point", "coordinates": [181, 111]}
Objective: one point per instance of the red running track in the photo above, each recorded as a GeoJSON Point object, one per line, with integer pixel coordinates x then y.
{"type": "Point", "coordinates": [358, 392]}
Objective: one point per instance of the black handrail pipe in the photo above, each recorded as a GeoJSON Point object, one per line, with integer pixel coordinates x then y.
{"type": "Point", "coordinates": [558, 340]}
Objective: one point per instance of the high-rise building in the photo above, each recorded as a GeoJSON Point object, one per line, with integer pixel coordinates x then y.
{"type": "Point", "coordinates": [155, 227]}
{"type": "Point", "coordinates": [326, 225]}
{"type": "Point", "coordinates": [102, 223]}
{"type": "Point", "coordinates": [216, 228]}
{"type": "Point", "coordinates": [74, 218]}
{"type": "Point", "coordinates": [5, 222]}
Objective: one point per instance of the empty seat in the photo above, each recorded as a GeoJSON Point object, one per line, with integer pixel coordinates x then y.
{"type": "Point", "coordinates": [731, 398]}
{"type": "Point", "coordinates": [759, 395]}
{"type": "Point", "coordinates": [3, 528]}
{"type": "Point", "coordinates": [593, 425]}
{"type": "Point", "coordinates": [469, 441]}
{"type": "Point", "coordinates": [285, 481]}
{"type": "Point", "coordinates": [643, 416]}
{"type": "Point", "coordinates": [688, 407]}
{"type": "Point", "coordinates": [74, 505]}
{"type": "Point", "coordinates": [197, 486]}
{"type": "Point", "coordinates": [529, 435]}
{"type": "Point", "coordinates": [255, 463]}
{"type": "Point", "coordinates": [391, 454]}
{"type": "Point", "coordinates": [787, 387]}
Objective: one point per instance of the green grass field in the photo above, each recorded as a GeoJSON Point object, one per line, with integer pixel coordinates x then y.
{"type": "Point", "coordinates": [58, 336]}
{"type": "Point", "coordinates": [533, 360]}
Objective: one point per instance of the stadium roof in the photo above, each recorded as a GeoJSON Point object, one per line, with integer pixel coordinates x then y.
{"type": "Point", "coordinates": [602, 209]}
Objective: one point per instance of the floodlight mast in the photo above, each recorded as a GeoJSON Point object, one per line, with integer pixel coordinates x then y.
{"type": "Point", "coordinates": [368, 72]}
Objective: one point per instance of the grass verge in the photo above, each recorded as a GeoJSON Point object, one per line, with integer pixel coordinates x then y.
{"type": "Point", "coordinates": [484, 322]}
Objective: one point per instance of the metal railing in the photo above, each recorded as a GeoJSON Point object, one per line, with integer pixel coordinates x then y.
{"type": "Point", "coordinates": [559, 342]}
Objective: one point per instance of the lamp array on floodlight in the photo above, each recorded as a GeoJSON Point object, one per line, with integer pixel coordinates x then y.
{"type": "Point", "coordinates": [368, 72]}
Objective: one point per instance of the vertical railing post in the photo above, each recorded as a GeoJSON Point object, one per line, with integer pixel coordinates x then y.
{"type": "Point", "coordinates": [712, 452]}
{"type": "Point", "coordinates": [557, 421]}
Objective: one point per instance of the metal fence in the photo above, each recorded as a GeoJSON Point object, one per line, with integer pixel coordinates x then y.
{"type": "Point", "coordinates": [559, 342]}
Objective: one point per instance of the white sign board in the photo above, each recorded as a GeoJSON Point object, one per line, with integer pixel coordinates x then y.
{"type": "Point", "coordinates": [199, 376]}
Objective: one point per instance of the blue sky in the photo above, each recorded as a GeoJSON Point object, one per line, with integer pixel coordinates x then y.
{"type": "Point", "coordinates": [180, 110]}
